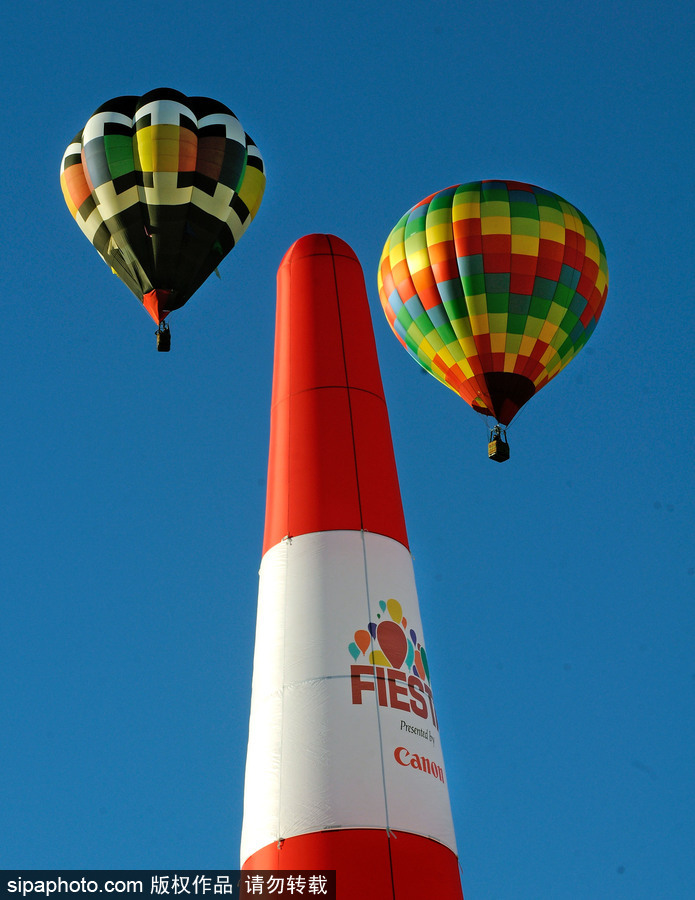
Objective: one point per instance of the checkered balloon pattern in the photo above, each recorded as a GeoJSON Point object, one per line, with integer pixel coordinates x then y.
{"type": "Point", "coordinates": [164, 186]}
{"type": "Point", "coordinates": [493, 287]}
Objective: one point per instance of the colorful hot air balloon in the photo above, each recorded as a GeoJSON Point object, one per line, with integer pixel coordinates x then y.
{"type": "Point", "coordinates": [493, 287]}
{"type": "Point", "coordinates": [164, 186]}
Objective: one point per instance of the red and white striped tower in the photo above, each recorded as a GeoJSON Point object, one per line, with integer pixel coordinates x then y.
{"type": "Point", "coordinates": [344, 768]}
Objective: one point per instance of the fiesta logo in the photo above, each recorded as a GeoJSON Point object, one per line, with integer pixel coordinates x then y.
{"type": "Point", "coordinates": [398, 672]}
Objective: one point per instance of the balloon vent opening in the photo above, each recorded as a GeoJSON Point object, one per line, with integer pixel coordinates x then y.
{"type": "Point", "coordinates": [508, 392]}
{"type": "Point", "coordinates": [155, 302]}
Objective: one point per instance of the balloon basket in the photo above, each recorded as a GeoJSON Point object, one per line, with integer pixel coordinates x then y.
{"type": "Point", "coordinates": [163, 338]}
{"type": "Point", "coordinates": [498, 448]}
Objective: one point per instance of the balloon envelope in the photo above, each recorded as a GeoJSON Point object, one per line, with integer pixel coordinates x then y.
{"type": "Point", "coordinates": [493, 287]}
{"type": "Point", "coordinates": [164, 186]}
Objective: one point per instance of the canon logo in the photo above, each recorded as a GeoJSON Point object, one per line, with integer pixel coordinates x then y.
{"type": "Point", "coordinates": [405, 758]}
{"type": "Point", "coordinates": [395, 689]}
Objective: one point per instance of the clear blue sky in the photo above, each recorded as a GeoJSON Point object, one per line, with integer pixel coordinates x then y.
{"type": "Point", "coordinates": [557, 591]}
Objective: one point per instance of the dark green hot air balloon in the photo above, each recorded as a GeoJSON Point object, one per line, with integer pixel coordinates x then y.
{"type": "Point", "coordinates": [164, 186]}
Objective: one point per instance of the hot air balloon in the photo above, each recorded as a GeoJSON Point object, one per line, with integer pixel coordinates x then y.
{"type": "Point", "coordinates": [164, 186]}
{"type": "Point", "coordinates": [493, 287]}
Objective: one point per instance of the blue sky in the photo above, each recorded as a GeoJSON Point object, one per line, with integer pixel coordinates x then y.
{"type": "Point", "coordinates": [557, 592]}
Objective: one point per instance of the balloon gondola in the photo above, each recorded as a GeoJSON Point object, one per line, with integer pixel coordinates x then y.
{"type": "Point", "coordinates": [163, 338]}
{"type": "Point", "coordinates": [493, 287]}
{"type": "Point", "coordinates": [498, 447]}
{"type": "Point", "coordinates": [163, 186]}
